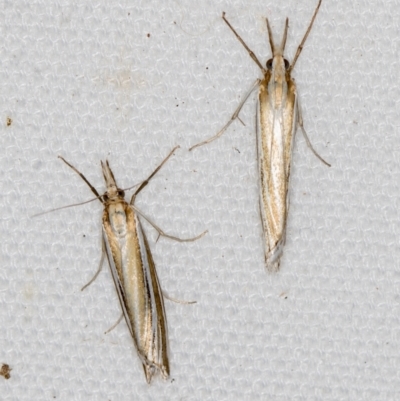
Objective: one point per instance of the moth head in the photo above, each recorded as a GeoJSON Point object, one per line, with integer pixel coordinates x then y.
{"type": "Point", "coordinates": [112, 188]}
{"type": "Point", "coordinates": [269, 64]}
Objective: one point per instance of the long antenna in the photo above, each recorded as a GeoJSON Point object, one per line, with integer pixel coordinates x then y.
{"type": "Point", "coordinates": [300, 48]}
{"type": "Point", "coordinates": [94, 190]}
{"type": "Point", "coordinates": [65, 207]}
{"type": "Point", "coordinates": [251, 53]}
{"type": "Point", "coordinates": [146, 181]}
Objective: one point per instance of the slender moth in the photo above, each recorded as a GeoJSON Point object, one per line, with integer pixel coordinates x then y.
{"type": "Point", "coordinates": [278, 116]}
{"type": "Point", "coordinates": [133, 270]}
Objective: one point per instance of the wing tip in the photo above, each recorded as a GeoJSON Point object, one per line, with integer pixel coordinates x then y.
{"type": "Point", "coordinates": [150, 371]}
{"type": "Point", "coordinates": [273, 267]}
{"type": "Point", "coordinates": [273, 257]}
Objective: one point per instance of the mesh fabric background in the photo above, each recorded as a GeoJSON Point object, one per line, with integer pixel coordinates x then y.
{"type": "Point", "coordinates": [128, 81]}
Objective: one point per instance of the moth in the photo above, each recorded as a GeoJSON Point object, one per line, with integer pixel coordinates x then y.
{"type": "Point", "coordinates": [278, 116]}
{"type": "Point", "coordinates": [133, 270]}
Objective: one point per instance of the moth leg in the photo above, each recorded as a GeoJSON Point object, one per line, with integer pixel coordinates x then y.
{"type": "Point", "coordinates": [178, 301]}
{"type": "Point", "coordinates": [115, 324]}
{"type": "Point", "coordinates": [162, 233]}
{"type": "Point", "coordinates": [235, 116]}
{"type": "Point", "coordinates": [103, 254]}
{"type": "Point", "coordinates": [300, 123]}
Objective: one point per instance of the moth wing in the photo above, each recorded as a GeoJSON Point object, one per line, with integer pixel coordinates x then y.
{"type": "Point", "coordinates": [275, 131]}
{"type": "Point", "coordinates": [160, 348]}
{"type": "Point", "coordinates": [147, 324]}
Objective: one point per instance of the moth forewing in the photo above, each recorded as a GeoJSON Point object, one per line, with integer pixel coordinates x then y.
{"type": "Point", "coordinates": [276, 125]}
{"type": "Point", "coordinates": [139, 291]}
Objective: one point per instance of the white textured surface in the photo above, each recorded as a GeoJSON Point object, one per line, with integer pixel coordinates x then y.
{"type": "Point", "coordinates": [85, 81]}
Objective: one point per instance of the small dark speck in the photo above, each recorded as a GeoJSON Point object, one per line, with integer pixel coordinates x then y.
{"type": "Point", "coordinates": [9, 121]}
{"type": "Point", "coordinates": [5, 371]}
{"type": "Point", "coordinates": [285, 297]}
{"type": "Point", "coordinates": [237, 150]}
{"type": "Point", "coordinates": [172, 380]}
{"type": "Point", "coordinates": [84, 236]}
{"type": "Point", "coordinates": [175, 22]}
{"type": "Point", "coordinates": [177, 105]}
{"type": "Point", "coordinates": [129, 13]}
{"type": "Point", "coordinates": [148, 35]}
{"type": "Point", "coordinates": [206, 68]}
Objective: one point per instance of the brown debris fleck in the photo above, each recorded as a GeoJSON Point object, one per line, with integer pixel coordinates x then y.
{"type": "Point", "coordinates": [5, 371]}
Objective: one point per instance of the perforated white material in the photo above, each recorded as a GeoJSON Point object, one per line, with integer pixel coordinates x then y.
{"type": "Point", "coordinates": [128, 81]}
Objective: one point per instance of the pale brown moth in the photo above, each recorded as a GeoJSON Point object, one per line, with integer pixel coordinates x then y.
{"type": "Point", "coordinates": [133, 270]}
{"type": "Point", "coordinates": [278, 116]}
